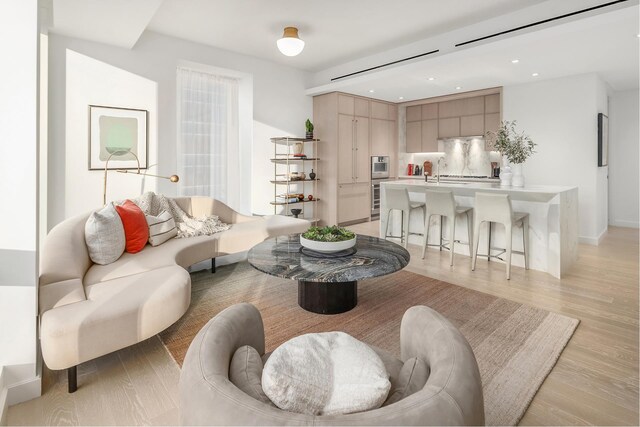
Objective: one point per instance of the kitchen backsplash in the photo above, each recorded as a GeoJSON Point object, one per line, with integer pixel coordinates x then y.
{"type": "Point", "coordinates": [462, 156]}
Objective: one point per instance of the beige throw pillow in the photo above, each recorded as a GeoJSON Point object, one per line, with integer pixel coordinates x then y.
{"type": "Point", "coordinates": [104, 235]}
{"type": "Point", "coordinates": [161, 228]}
{"type": "Point", "coordinates": [412, 378]}
{"type": "Point", "coordinates": [245, 372]}
{"type": "Point", "coordinates": [325, 374]}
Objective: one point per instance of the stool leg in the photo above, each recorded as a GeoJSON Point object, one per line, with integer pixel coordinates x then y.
{"type": "Point", "coordinates": [405, 227]}
{"type": "Point", "coordinates": [508, 236]}
{"type": "Point", "coordinates": [470, 233]}
{"type": "Point", "coordinates": [441, 221]}
{"type": "Point", "coordinates": [386, 226]}
{"type": "Point", "coordinates": [452, 237]}
{"type": "Point", "coordinates": [525, 240]}
{"type": "Point", "coordinates": [425, 241]}
{"type": "Point", "coordinates": [476, 242]}
{"type": "Point", "coordinates": [489, 241]}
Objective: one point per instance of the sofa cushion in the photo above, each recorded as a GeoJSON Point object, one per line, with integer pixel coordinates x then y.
{"type": "Point", "coordinates": [136, 230]}
{"type": "Point", "coordinates": [104, 235]}
{"type": "Point", "coordinates": [325, 373]}
{"type": "Point", "coordinates": [245, 372]}
{"type": "Point", "coordinates": [412, 378]}
{"type": "Point", "coordinates": [161, 228]}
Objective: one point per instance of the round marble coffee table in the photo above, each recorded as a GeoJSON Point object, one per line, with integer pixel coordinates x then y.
{"type": "Point", "coordinates": [326, 284]}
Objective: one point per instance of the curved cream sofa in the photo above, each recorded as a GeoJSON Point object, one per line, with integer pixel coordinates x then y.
{"type": "Point", "coordinates": [451, 396]}
{"type": "Point", "coordinates": [88, 310]}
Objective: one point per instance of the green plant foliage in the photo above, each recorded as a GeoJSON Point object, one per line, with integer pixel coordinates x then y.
{"type": "Point", "coordinates": [309, 125]}
{"type": "Point", "coordinates": [516, 146]}
{"type": "Point", "coordinates": [328, 234]}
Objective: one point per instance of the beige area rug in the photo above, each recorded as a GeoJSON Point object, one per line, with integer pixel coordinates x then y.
{"type": "Point", "coordinates": [516, 345]}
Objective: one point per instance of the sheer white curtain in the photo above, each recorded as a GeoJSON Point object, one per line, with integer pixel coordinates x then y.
{"type": "Point", "coordinates": [208, 136]}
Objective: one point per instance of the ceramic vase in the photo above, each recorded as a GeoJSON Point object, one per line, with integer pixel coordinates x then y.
{"type": "Point", "coordinates": [518, 179]}
{"type": "Point", "coordinates": [297, 148]}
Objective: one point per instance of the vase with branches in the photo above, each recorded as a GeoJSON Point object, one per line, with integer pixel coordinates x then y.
{"type": "Point", "coordinates": [515, 146]}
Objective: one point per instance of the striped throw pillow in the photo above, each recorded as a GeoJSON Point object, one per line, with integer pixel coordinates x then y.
{"type": "Point", "coordinates": [161, 228]}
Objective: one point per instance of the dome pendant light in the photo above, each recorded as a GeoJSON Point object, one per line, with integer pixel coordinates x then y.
{"type": "Point", "coordinates": [290, 44]}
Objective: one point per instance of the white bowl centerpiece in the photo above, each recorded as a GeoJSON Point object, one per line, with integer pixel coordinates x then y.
{"type": "Point", "coordinates": [328, 239]}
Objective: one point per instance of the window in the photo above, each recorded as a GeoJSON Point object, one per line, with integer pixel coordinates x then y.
{"type": "Point", "coordinates": [208, 134]}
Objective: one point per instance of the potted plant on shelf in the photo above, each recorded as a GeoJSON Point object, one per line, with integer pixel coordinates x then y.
{"type": "Point", "coordinates": [515, 148]}
{"type": "Point", "coordinates": [309, 126]}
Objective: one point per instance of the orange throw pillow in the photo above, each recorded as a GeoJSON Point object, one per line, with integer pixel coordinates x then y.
{"type": "Point", "coordinates": [136, 230]}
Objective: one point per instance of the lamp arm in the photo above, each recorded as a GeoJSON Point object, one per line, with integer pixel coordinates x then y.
{"type": "Point", "coordinates": [106, 170]}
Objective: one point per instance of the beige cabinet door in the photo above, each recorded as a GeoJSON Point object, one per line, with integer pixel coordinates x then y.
{"type": "Point", "coordinates": [379, 110]}
{"type": "Point", "coordinates": [492, 103]}
{"type": "Point", "coordinates": [413, 135]}
{"type": "Point", "coordinates": [430, 111]}
{"type": "Point", "coordinates": [472, 106]}
{"type": "Point", "coordinates": [393, 112]}
{"type": "Point", "coordinates": [354, 202]}
{"type": "Point", "coordinates": [361, 107]}
{"type": "Point", "coordinates": [450, 108]}
{"type": "Point", "coordinates": [346, 148]}
{"type": "Point", "coordinates": [362, 168]}
{"type": "Point", "coordinates": [472, 125]}
{"type": "Point", "coordinates": [346, 104]}
{"type": "Point", "coordinates": [449, 128]}
{"type": "Point", "coordinates": [429, 136]}
{"type": "Point", "coordinates": [414, 113]}
{"type": "Point", "coordinates": [381, 144]}
{"type": "Point", "coordinates": [491, 122]}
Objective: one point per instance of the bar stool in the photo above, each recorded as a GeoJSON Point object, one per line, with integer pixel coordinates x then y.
{"type": "Point", "coordinates": [496, 208]}
{"type": "Point", "coordinates": [398, 199]}
{"type": "Point", "coordinates": [443, 204]}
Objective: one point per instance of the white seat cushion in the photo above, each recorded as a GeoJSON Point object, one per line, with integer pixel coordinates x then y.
{"type": "Point", "coordinates": [325, 374]}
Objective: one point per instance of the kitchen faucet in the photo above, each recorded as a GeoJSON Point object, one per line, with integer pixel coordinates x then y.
{"type": "Point", "coordinates": [438, 169]}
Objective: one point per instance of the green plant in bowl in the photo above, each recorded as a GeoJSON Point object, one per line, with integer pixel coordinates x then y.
{"type": "Point", "coordinates": [328, 234]}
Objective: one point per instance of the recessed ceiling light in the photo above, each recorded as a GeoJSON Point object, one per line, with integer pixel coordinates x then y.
{"type": "Point", "coordinates": [371, 90]}
{"type": "Point", "coordinates": [458, 87]}
{"type": "Point", "coordinates": [401, 97]}
{"type": "Point", "coordinates": [515, 61]}
{"type": "Point", "coordinates": [431, 79]}
{"type": "Point", "coordinates": [638, 35]}
{"type": "Point", "coordinates": [535, 75]}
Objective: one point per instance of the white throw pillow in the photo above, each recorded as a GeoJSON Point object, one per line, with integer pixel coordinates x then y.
{"type": "Point", "coordinates": [104, 235]}
{"type": "Point", "coordinates": [325, 374]}
{"type": "Point", "coordinates": [161, 228]}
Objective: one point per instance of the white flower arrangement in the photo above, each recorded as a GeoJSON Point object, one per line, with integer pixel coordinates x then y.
{"type": "Point", "coordinates": [516, 146]}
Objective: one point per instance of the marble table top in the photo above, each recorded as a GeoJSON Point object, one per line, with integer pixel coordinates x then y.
{"type": "Point", "coordinates": [281, 257]}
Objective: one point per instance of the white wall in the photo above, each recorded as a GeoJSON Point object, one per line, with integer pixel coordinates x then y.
{"type": "Point", "coordinates": [623, 159]}
{"type": "Point", "coordinates": [560, 115]}
{"type": "Point", "coordinates": [279, 107]}
{"type": "Point", "coordinates": [18, 189]}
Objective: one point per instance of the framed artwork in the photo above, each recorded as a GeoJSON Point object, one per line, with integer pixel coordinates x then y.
{"type": "Point", "coordinates": [121, 132]}
{"type": "Point", "coordinates": [603, 140]}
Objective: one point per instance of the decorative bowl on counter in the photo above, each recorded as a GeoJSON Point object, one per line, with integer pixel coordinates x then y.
{"type": "Point", "coordinates": [328, 239]}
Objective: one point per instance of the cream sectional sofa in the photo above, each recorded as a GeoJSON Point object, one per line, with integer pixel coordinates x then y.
{"type": "Point", "coordinates": [89, 310]}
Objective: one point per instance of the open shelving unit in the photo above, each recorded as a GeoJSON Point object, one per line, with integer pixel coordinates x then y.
{"type": "Point", "coordinates": [284, 163]}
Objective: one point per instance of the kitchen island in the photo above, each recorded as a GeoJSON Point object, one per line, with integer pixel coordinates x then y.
{"type": "Point", "coordinates": [553, 221]}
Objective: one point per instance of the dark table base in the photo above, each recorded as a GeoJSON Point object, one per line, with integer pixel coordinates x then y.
{"type": "Point", "coordinates": [327, 297]}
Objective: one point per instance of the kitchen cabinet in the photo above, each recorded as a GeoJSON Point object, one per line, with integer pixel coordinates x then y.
{"type": "Point", "coordinates": [351, 129]}
{"type": "Point", "coordinates": [472, 125]}
{"type": "Point", "coordinates": [414, 113]}
{"type": "Point", "coordinates": [472, 106]}
{"type": "Point", "coordinates": [414, 137]}
{"type": "Point", "coordinates": [429, 135]}
{"type": "Point", "coordinates": [491, 122]}
{"type": "Point", "coordinates": [449, 127]}
{"type": "Point", "coordinates": [451, 108]}
{"type": "Point", "coordinates": [492, 103]}
{"type": "Point", "coordinates": [430, 111]}
{"type": "Point", "coordinates": [354, 202]}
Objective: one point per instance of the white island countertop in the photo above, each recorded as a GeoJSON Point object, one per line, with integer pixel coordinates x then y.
{"type": "Point", "coordinates": [553, 219]}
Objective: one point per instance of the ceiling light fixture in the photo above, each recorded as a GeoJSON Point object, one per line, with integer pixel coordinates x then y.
{"type": "Point", "coordinates": [515, 61]}
{"type": "Point", "coordinates": [458, 87]}
{"type": "Point", "coordinates": [431, 79]}
{"type": "Point", "coordinates": [535, 75]}
{"type": "Point", "coordinates": [371, 90]}
{"type": "Point", "coordinates": [401, 97]}
{"type": "Point", "coordinates": [290, 44]}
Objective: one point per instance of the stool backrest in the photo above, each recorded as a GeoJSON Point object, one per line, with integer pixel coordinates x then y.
{"type": "Point", "coordinates": [440, 202]}
{"type": "Point", "coordinates": [397, 198]}
{"type": "Point", "coordinates": [493, 207]}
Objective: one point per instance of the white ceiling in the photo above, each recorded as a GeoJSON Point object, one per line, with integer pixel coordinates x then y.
{"type": "Point", "coordinates": [606, 44]}
{"type": "Point", "coordinates": [334, 30]}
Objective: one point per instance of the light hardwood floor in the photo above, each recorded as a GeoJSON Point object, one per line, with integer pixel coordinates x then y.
{"type": "Point", "coordinates": [594, 382]}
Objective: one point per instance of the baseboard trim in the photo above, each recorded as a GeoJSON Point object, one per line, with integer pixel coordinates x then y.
{"type": "Point", "coordinates": [23, 391]}
{"type": "Point", "coordinates": [594, 241]}
{"type": "Point", "coordinates": [625, 224]}
{"type": "Point", "coordinates": [3, 399]}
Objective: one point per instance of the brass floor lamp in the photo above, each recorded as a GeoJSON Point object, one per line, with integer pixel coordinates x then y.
{"type": "Point", "coordinates": [172, 178]}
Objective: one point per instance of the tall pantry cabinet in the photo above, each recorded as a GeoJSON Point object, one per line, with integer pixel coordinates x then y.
{"type": "Point", "coordinates": [344, 124]}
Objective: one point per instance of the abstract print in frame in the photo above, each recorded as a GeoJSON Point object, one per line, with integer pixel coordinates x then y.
{"type": "Point", "coordinates": [117, 130]}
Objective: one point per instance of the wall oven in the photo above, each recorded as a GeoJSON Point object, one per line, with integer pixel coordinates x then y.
{"type": "Point", "coordinates": [380, 167]}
